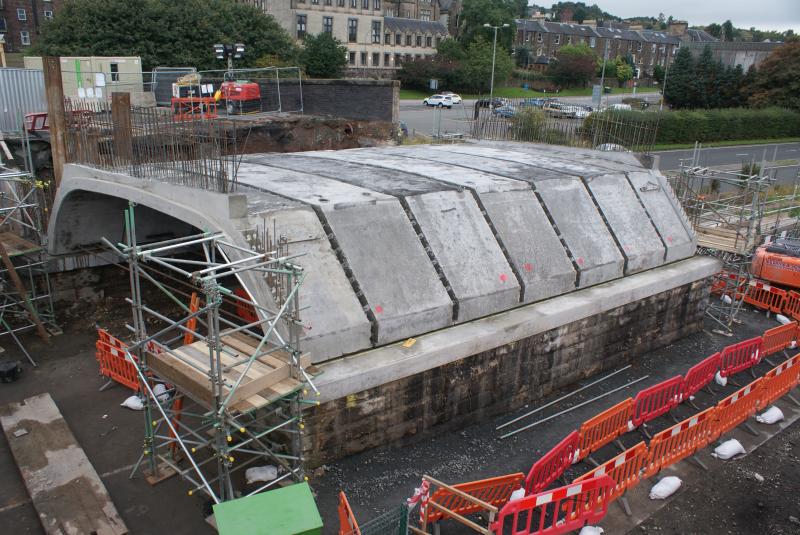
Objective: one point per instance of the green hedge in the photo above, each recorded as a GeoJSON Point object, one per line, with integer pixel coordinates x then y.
{"type": "Point", "coordinates": [686, 126]}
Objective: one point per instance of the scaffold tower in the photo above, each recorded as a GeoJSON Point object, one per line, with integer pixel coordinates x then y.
{"type": "Point", "coordinates": [219, 394]}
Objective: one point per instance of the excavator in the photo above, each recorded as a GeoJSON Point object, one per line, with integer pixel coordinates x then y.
{"type": "Point", "coordinates": [778, 262]}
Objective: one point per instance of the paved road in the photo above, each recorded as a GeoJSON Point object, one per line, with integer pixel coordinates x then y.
{"type": "Point", "coordinates": [713, 156]}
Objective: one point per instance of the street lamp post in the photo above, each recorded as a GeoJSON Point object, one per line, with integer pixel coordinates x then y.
{"type": "Point", "coordinates": [494, 55]}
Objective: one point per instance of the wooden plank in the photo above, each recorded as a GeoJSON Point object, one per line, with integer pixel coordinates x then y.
{"type": "Point", "coordinates": [192, 382]}
{"type": "Point", "coordinates": [66, 491]}
{"type": "Point", "coordinates": [54, 91]}
{"type": "Point", "coordinates": [16, 245]}
{"type": "Point", "coordinates": [243, 345]}
{"type": "Point", "coordinates": [246, 343]}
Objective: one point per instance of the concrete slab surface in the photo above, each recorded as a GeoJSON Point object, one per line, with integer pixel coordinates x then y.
{"type": "Point", "coordinates": [628, 220]}
{"type": "Point", "coordinates": [651, 187]}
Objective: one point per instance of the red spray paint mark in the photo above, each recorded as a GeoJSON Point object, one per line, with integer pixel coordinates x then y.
{"type": "Point", "coordinates": [669, 239]}
{"type": "Point", "coordinates": [580, 261]}
{"type": "Point", "coordinates": [527, 267]}
{"type": "Point", "coordinates": [378, 309]}
{"type": "Point", "coordinates": [503, 277]}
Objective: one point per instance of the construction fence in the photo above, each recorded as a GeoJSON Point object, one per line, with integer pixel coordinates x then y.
{"type": "Point", "coordinates": [529, 506]}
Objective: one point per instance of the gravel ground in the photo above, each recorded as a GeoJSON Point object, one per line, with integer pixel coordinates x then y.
{"type": "Point", "coordinates": [734, 499]}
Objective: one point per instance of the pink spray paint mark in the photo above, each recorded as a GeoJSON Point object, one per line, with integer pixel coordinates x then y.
{"type": "Point", "coordinates": [378, 309]}
{"type": "Point", "coordinates": [527, 266]}
{"type": "Point", "coordinates": [503, 277]}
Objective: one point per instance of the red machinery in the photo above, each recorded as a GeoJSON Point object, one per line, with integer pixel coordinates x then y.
{"type": "Point", "coordinates": [241, 97]}
{"type": "Point", "coordinates": [778, 262]}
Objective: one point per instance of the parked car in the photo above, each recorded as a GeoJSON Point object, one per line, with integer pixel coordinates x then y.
{"type": "Point", "coordinates": [582, 112]}
{"type": "Point", "coordinates": [536, 102]}
{"type": "Point", "coordinates": [439, 101]}
{"type": "Point", "coordinates": [456, 98]}
{"type": "Point", "coordinates": [505, 111]}
{"type": "Point", "coordinates": [558, 109]}
{"type": "Point", "coordinates": [620, 107]}
{"type": "Point", "coordinates": [611, 147]}
{"type": "Point", "coordinates": [485, 103]}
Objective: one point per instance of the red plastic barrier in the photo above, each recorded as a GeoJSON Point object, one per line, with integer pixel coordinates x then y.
{"type": "Point", "coordinates": [779, 338]}
{"type": "Point", "coordinates": [556, 511]}
{"type": "Point", "coordinates": [739, 357]}
{"type": "Point", "coordinates": [699, 375]}
{"type": "Point", "coordinates": [780, 380]}
{"type": "Point", "coordinates": [680, 441]}
{"type": "Point", "coordinates": [552, 465]}
{"type": "Point", "coordinates": [347, 521]}
{"type": "Point", "coordinates": [605, 427]}
{"type": "Point", "coordinates": [735, 409]}
{"type": "Point", "coordinates": [765, 296]}
{"type": "Point", "coordinates": [791, 307]}
{"type": "Point", "coordinates": [624, 469]}
{"type": "Point", "coordinates": [656, 400]}
{"type": "Point", "coordinates": [245, 310]}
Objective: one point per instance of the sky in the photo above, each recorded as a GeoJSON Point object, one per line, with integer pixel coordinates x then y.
{"type": "Point", "coordinates": [777, 15]}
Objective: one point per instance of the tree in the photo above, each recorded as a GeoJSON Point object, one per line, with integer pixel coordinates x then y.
{"type": "Point", "coordinates": [580, 15]}
{"type": "Point", "coordinates": [679, 92]}
{"type": "Point", "coordinates": [777, 82]}
{"type": "Point", "coordinates": [611, 68]}
{"type": "Point", "coordinates": [163, 32]}
{"type": "Point", "coordinates": [475, 72]}
{"type": "Point", "coordinates": [624, 71]}
{"type": "Point", "coordinates": [714, 29]}
{"type": "Point", "coordinates": [476, 13]}
{"type": "Point", "coordinates": [575, 65]}
{"type": "Point", "coordinates": [450, 49]}
{"type": "Point", "coordinates": [727, 31]}
{"type": "Point", "coordinates": [658, 74]}
{"type": "Point", "coordinates": [323, 56]}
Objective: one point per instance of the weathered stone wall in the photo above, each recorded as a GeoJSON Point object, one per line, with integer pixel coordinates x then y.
{"type": "Point", "coordinates": [502, 379]}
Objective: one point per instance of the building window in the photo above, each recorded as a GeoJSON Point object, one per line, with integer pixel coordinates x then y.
{"type": "Point", "coordinates": [653, 48]}
{"type": "Point", "coordinates": [354, 4]}
{"type": "Point", "coordinates": [364, 59]}
{"type": "Point", "coordinates": [328, 2]}
{"type": "Point", "coordinates": [327, 25]}
{"type": "Point", "coordinates": [386, 60]}
{"type": "Point", "coordinates": [352, 30]}
{"type": "Point", "coordinates": [364, 4]}
{"type": "Point", "coordinates": [376, 31]}
{"type": "Point", "coordinates": [114, 68]}
{"type": "Point", "coordinates": [21, 15]}
{"type": "Point", "coordinates": [315, 2]}
{"type": "Point", "coordinates": [538, 51]}
{"type": "Point", "coordinates": [557, 39]}
{"type": "Point", "coordinates": [340, 3]}
{"type": "Point", "coordinates": [387, 39]}
{"type": "Point", "coordinates": [301, 26]}
{"type": "Point", "coordinates": [438, 41]}
{"type": "Point", "coordinates": [408, 40]}
{"type": "Point", "coordinates": [429, 41]}
{"type": "Point", "coordinates": [569, 39]}
{"type": "Point", "coordinates": [376, 59]}
{"type": "Point", "coordinates": [639, 46]}
{"type": "Point", "coordinates": [419, 40]}
{"type": "Point", "coordinates": [398, 39]}
{"type": "Point", "coordinates": [539, 37]}
{"type": "Point", "coordinates": [3, 27]}
{"type": "Point", "coordinates": [425, 14]}
{"type": "Point", "coordinates": [352, 58]}
{"type": "Point", "coordinates": [25, 38]}
{"type": "Point", "coordinates": [376, 5]}
{"type": "Point", "coordinates": [48, 15]}
{"type": "Point", "coordinates": [592, 42]}
{"type": "Point", "coordinates": [398, 60]}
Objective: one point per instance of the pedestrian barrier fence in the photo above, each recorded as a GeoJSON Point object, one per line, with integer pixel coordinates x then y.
{"type": "Point", "coordinates": [600, 430]}
{"type": "Point", "coordinates": [191, 323]}
{"type": "Point", "coordinates": [110, 354]}
{"type": "Point", "coordinates": [792, 306]}
{"type": "Point", "coordinates": [699, 376]}
{"type": "Point", "coordinates": [680, 441]}
{"type": "Point", "coordinates": [735, 409]}
{"type": "Point", "coordinates": [347, 520]}
{"type": "Point", "coordinates": [780, 380]}
{"type": "Point", "coordinates": [625, 469]}
{"type": "Point", "coordinates": [495, 491]}
{"type": "Point", "coordinates": [556, 511]}
{"type": "Point", "coordinates": [739, 357]}
{"type": "Point", "coordinates": [656, 400]}
{"type": "Point", "coordinates": [779, 338]}
{"type": "Point", "coordinates": [552, 465]}
{"type": "Point", "coordinates": [765, 296]}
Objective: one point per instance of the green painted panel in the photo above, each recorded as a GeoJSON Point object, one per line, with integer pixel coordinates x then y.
{"type": "Point", "coordinates": [285, 511]}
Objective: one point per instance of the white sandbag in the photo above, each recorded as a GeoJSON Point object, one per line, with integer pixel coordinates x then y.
{"type": "Point", "coordinates": [792, 345]}
{"type": "Point", "coordinates": [261, 474]}
{"type": "Point", "coordinates": [665, 488]}
{"type": "Point", "coordinates": [772, 415]}
{"type": "Point", "coordinates": [728, 449]}
{"type": "Point", "coordinates": [133, 403]}
{"type": "Point", "coordinates": [726, 299]}
{"type": "Point", "coordinates": [517, 494]}
{"type": "Point", "coordinates": [161, 392]}
{"type": "Point", "coordinates": [720, 380]}
{"type": "Point", "coordinates": [783, 320]}
{"type": "Point", "coordinates": [577, 456]}
{"type": "Point", "coordinates": [631, 427]}
{"type": "Point", "coordinates": [591, 530]}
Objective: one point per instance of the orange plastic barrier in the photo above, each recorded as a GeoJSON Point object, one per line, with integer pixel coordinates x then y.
{"type": "Point", "coordinates": [780, 380]}
{"type": "Point", "coordinates": [765, 296]}
{"type": "Point", "coordinates": [699, 376]}
{"type": "Point", "coordinates": [245, 310]}
{"type": "Point", "coordinates": [347, 521]}
{"type": "Point", "coordinates": [739, 357]}
{"type": "Point", "coordinates": [624, 469]}
{"type": "Point", "coordinates": [495, 491]}
{"type": "Point", "coordinates": [792, 306]}
{"type": "Point", "coordinates": [656, 400]}
{"type": "Point", "coordinates": [598, 431]}
{"type": "Point", "coordinates": [111, 356]}
{"type": "Point", "coordinates": [194, 306]}
{"type": "Point", "coordinates": [552, 465]}
{"type": "Point", "coordinates": [779, 338]}
{"type": "Point", "coordinates": [680, 441]}
{"type": "Point", "coordinates": [735, 409]}
{"type": "Point", "coordinates": [556, 511]}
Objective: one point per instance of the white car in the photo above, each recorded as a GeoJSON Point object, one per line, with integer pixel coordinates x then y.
{"type": "Point", "coordinates": [439, 101]}
{"type": "Point", "coordinates": [620, 107]}
{"type": "Point", "coordinates": [453, 96]}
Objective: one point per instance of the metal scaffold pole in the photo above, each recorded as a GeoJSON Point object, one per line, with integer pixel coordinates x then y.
{"type": "Point", "coordinates": [224, 381]}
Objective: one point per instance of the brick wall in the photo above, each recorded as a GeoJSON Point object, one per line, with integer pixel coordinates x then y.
{"type": "Point", "coordinates": [500, 380]}
{"type": "Point", "coordinates": [35, 18]}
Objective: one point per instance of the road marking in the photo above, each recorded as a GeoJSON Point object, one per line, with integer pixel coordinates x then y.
{"type": "Point", "coordinates": [117, 471]}
{"type": "Point", "coordinates": [743, 154]}
{"type": "Point", "coordinates": [791, 150]}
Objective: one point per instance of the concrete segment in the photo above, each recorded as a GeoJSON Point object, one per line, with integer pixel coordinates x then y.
{"type": "Point", "coordinates": [611, 160]}
{"type": "Point", "coordinates": [656, 196]}
{"type": "Point", "coordinates": [357, 373]}
{"type": "Point", "coordinates": [397, 279]}
{"type": "Point", "coordinates": [628, 220]}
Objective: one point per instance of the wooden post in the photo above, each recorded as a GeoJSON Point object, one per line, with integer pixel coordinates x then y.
{"type": "Point", "coordinates": [121, 117]}
{"type": "Point", "coordinates": [54, 91]}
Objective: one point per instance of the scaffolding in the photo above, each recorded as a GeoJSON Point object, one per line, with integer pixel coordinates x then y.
{"type": "Point", "coordinates": [732, 213]}
{"type": "Point", "coordinates": [219, 395]}
{"type": "Point", "coordinates": [25, 297]}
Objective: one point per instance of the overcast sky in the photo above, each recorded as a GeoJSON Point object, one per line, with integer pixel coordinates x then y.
{"type": "Point", "coordinates": [763, 14]}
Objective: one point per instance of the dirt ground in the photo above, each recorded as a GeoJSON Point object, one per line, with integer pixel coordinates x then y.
{"type": "Point", "coordinates": [381, 479]}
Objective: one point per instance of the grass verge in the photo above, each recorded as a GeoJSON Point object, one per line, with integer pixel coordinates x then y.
{"type": "Point", "coordinates": [728, 143]}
